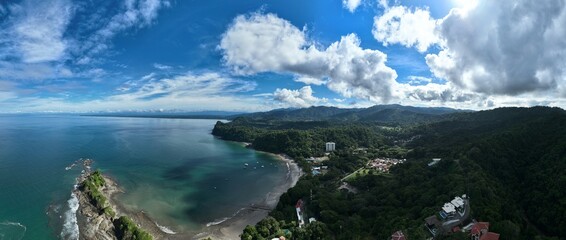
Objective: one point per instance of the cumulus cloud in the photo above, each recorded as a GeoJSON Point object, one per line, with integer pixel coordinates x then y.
{"type": "Point", "coordinates": [518, 48]}
{"type": "Point", "coordinates": [297, 98]}
{"type": "Point", "coordinates": [265, 42]}
{"type": "Point", "coordinates": [494, 48]}
{"type": "Point", "coordinates": [405, 26]}
{"type": "Point", "coordinates": [351, 5]}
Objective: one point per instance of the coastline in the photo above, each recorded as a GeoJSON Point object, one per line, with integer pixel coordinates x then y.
{"type": "Point", "coordinates": [224, 229]}
{"type": "Point", "coordinates": [95, 225]}
{"type": "Point", "coordinates": [231, 228]}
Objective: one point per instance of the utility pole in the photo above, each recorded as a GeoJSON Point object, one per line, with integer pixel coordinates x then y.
{"type": "Point", "coordinates": [311, 195]}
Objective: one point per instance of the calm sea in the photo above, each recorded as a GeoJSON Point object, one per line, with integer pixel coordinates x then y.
{"type": "Point", "coordinates": [173, 169]}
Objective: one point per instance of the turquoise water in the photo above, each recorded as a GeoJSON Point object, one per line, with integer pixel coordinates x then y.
{"type": "Point", "coordinates": [173, 169]}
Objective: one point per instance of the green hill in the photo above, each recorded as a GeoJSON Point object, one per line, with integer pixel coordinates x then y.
{"type": "Point", "coordinates": [510, 161]}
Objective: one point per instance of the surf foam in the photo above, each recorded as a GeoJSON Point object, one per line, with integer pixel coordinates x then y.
{"type": "Point", "coordinates": [70, 225]}
{"type": "Point", "coordinates": [219, 221]}
{"type": "Point", "coordinates": [165, 229]}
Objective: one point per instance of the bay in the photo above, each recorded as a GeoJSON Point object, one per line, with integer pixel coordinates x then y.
{"type": "Point", "coordinates": [172, 169]}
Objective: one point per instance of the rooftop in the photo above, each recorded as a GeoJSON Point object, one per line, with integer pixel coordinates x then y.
{"type": "Point", "coordinates": [490, 236]}
{"type": "Point", "coordinates": [448, 208]}
{"type": "Point", "coordinates": [398, 236]}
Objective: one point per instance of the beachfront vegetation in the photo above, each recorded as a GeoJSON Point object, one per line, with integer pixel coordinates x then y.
{"type": "Point", "coordinates": [270, 228]}
{"type": "Point", "coordinates": [511, 162]}
{"type": "Point", "coordinates": [126, 229]}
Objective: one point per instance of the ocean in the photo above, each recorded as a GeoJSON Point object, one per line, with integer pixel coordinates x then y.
{"type": "Point", "coordinates": [173, 169]}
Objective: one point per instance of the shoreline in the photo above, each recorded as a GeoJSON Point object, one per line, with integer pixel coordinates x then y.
{"type": "Point", "coordinates": [227, 228]}
{"type": "Point", "coordinates": [231, 228]}
{"type": "Point", "coordinates": [95, 225]}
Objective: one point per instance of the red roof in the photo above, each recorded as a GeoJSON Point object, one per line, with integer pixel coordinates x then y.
{"type": "Point", "coordinates": [398, 236]}
{"type": "Point", "coordinates": [490, 236]}
{"type": "Point", "coordinates": [476, 229]}
{"type": "Point", "coordinates": [456, 229]}
{"type": "Point", "coordinates": [299, 204]}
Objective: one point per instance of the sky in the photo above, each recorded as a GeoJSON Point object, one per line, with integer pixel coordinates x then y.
{"type": "Point", "coordinates": [257, 55]}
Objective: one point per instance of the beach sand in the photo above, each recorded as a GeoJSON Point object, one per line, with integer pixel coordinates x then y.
{"type": "Point", "coordinates": [233, 227]}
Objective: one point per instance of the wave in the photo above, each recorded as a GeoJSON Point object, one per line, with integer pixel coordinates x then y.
{"type": "Point", "coordinates": [288, 171]}
{"type": "Point", "coordinates": [219, 221]}
{"type": "Point", "coordinates": [165, 229]}
{"type": "Point", "coordinates": [70, 225]}
{"type": "Point", "coordinates": [12, 230]}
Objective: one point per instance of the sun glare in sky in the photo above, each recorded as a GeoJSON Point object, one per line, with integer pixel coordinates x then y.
{"type": "Point", "coordinates": [465, 4]}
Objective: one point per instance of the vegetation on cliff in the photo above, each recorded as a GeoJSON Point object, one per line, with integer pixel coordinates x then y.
{"type": "Point", "coordinates": [124, 227]}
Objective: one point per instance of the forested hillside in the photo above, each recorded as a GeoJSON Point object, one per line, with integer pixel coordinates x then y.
{"type": "Point", "coordinates": [392, 114]}
{"type": "Point", "coordinates": [511, 162]}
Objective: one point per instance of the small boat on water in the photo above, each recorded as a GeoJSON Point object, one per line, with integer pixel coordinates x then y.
{"type": "Point", "coordinates": [262, 166]}
{"type": "Point", "coordinates": [246, 164]}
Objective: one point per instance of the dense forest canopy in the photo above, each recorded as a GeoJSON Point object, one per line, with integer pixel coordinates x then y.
{"type": "Point", "coordinates": [511, 162]}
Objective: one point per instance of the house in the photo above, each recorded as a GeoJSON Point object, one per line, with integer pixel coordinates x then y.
{"type": "Point", "coordinates": [299, 209]}
{"type": "Point", "coordinates": [480, 231]}
{"type": "Point", "coordinates": [398, 236]}
{"type": "Point", "coordinates": [330, 146]}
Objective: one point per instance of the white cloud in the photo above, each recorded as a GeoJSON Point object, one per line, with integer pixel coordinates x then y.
{"type": "Point", "coordinates": [405, 26]}
{"type": "Point", "coordinates": [33, 71]}
{"type": "Point", "coordinates": [97, 29]}
{"type": "Point", "coordinates": [260, 43]}
{"type": "Point", "coordinates": [351, 5]}
{"type": "Point", "coordinates": [189, 84]}
{"type": "Point", "coordinates": [162, 66]}
{"type": "Point", "coordinates": [418, 80]}
{"type": "Point", "coordinates": [309, 80]}
{"type": "Point", "coordinates": [504, 47]}
{"type": "Point", "coordinates": [35, 31]}
{"type": "Point", "coordinates": [502, 51]}
{"type": "Point", "coordinates": [188, 91]}
{"type": "Point", "coordinates": [264, 43]}
{"type": "Point", "coordinates": [297, 98]}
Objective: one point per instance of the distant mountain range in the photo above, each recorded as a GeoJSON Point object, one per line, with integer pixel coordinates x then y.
{"type": "Point", "coordinates": [379, 113]}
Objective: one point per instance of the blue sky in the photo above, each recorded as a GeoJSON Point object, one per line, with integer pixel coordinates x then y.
{"type": "Point", "coordinates": [139, 55]}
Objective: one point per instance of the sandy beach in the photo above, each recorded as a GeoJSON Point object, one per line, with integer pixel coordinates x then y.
{"type": "Point", "coordinates": [233, 227]}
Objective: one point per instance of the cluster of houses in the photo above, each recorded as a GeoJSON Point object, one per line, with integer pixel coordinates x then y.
{"type": "Point", "coordinates": [455, 214]}
{"type": "Point", "coordinates": [383, 164]}
{"type": "Point", "coordinates": [452, 215]}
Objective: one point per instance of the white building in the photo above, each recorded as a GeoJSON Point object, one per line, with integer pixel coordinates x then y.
{"type": "Point", "coordinates": [330, 146]}
{"type": "Point", "coordinates": [449, 209]}
{"type": "Point", "coordinates": [434, 161]}
{"type": "Point", "coordinates": [299, 209]}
